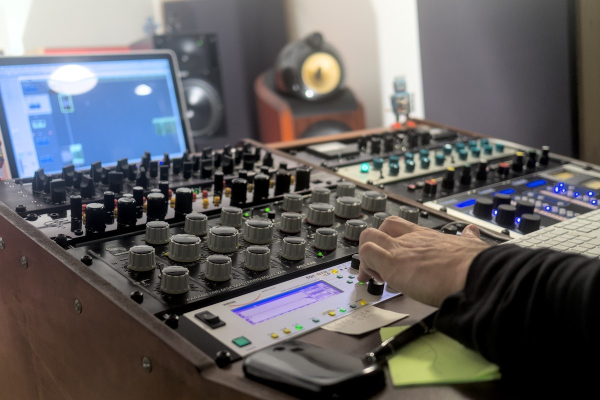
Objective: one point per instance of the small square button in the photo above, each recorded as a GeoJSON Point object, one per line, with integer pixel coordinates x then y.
{"type": "Point", "coordinates": [241, 341]}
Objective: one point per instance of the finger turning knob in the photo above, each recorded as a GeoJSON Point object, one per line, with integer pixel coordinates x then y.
{"type": "Point", "coordinates": [378, 219]}
{"type": "Point", "coordinates": [408, 213]}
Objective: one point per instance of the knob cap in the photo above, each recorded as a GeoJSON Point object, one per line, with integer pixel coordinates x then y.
{"type": "Point", "coordinates": [377, 163]}
{"type": "Point", "coordinates": [218, 182]}
{"type": "Point", "coordinates": [175, 280]}
{"type": "Point", "coordinates": [138, 196]}
{"type": "Point", "coordinates": [375, 287]}
{"type": "Point", "coordinates": [282, 182]}
{"type": "Point", "coordinates": [239, 188]}
{"type": "Point", "coordinates": [354, 228]}
{"type": "Point", "coordinates": [345, 189]}
{"type": "Point", "coordinates": [378, 219]}
{"type": "Point", "coordinates": [347, 207]}
{"type": "Point", "coordinates": [258, 258]}
{"type": "Point", "coordinates": [141, 258]}
{"type": "Point", "coordinates": [500, 199]}
{"type": "Point", "coordinates": [411, 214]}
{"type": "Point", "coordinates": [222, 239]}
{"type": "Point", "coordinates": [448, 181]}
{"type": "Point", "coordinates": [524, 207]}
{"type": "Point", "coordinates": [545, 158]}
{"type": "Point", "coordinates": [109, 201]}
{"type": "Point", "coordinates": [532, 159]}
{"type": "Point", "coordinates": [394, 169]}
{"type": "Point", "coordinates": [218, 268]}
{"type": "Point", "coordinates": [75, 203]}
{"type": "Point", "coordinates": [302, 178]}
{"type": "Point", "coordinates": [196, 224]}
{"type": "Point", "coordinates": [506, 215]}
{"type": "Point", "coordinates": [115, 182]}
{"type": "Point", "coordinates": [519, 160]}
{"type": "Point", "coordinates": [58, 193]}
{"type": "Point", "coordinates": [320, 195]}
{"type": "Point", "coordinates": [183, 200]}
{"type": "Point", "coordinates": [430, 187]}
{"type": "Point", "coordinates": [482, 171]}
{"type": "Point", "coordinates": [320, 214]}
{"type": "Point", "coordinates": [231, 216]}
{"type": "Point", "coordinates": [291, 222]}
{"type": "Point", "coordinates": [373, 201]}
{"type": "Point", "coordinates": [184, 248]}
{"type": "Point", "coordinates": [258, 231]}
{"type": "Point", "coordinates": [94, 218]}
{"type": "Point", "coordinates": [293, 248]}
{"type": "Point", "coordinates": [163, 186]}
{"type": "Point", "coordinates": [375, 145]}
{"type": "Point", "coordinates": [157, 232]}
{"type": "Point", "coordinates": [87, 188]}
{"type": "Point", "coordinates": [261, 186]}
{"type": "Point", "coordinates": [503, 169]}
{"type": "Point", "coordinates": [292, 202]}
{"type": "Point", "coordinates": [465, 176]}
{"type": "Point", "coordinates": [126, 212]}
{"type": "Point", "coordinates": [156, 206]}
{"type": "Point", "coordinates": [326, 239]}
{"type": "Point", "coordinates": [483, 208]}
{"type": "Point", "coordinates": [529, 223]}
{"type": "Point", "coordinates": [355, 262]}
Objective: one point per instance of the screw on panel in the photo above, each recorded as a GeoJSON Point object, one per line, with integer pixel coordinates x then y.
{"type": "Point", "coordinates": [24, 262]}
{"type": "Point", "coordinates": [1, 244]}
{"type": "Point", "coordinates": [146, 364]}
{"type": "Point", "coordinates": [78, 306]}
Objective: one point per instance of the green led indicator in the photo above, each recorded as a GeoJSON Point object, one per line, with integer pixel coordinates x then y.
{"type": "Point", "coordinates": [246, 215]}
{"type": "Point", "coordinates": [361, 283]}
{"type": "Point", "coordinates": [299, 327]}
{"type": "Point", "coordinates": [342, 310]}
{"type": "Point", "coordinates": [200, 43]}
{"type": "Point", "coordinates": [267, 209]}
{"type": "Point", "coordinates": [319, 254]}
{"type": "Point", "coordinates": [364, 167]}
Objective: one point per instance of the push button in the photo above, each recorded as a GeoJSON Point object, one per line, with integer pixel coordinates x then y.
{"type": "Point", "coordinates": [274, 335]}
{"type": "Point", "coordinates": [241, 341]}
{"type": "Point", "coordinates": [210, 319]}
{"type": "Point", "coordinates": [332, 313]}
{"type": "Point", "coordinates": [286, 331]}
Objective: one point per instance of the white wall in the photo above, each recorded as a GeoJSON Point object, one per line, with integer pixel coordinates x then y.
{"type": "Point", "coordinates": [377, 39]}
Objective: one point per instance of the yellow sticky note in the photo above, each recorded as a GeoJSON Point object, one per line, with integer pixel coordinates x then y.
{"type": "Point", "coordinates": [437, 359]}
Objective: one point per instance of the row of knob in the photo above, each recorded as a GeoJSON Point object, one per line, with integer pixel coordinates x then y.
{"type": "Point", "coordinates": [507, 215]}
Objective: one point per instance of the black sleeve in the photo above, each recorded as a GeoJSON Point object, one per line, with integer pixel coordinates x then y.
{"type": "Point", "coordinates": [533, 312]}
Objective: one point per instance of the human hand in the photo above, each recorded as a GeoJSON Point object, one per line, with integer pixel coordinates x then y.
{"type": "Point", "coordinates": [420, 262]}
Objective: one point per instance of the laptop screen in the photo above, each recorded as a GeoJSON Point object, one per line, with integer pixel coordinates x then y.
{"type": "Point", "coordinates": [61, 113]}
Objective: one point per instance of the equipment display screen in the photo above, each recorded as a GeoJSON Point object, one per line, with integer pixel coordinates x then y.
{"type": "Point", "coordinates": [592, 184]}
{"type": "Point", "coordinates": [283, 303]}
{"type": "Point", "coordinates": [78, 113]}
{"type": "Point", "coordinates": [562, 175]}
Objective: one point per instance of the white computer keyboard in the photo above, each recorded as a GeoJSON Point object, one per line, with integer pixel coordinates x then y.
{"type": "Point", "coordinates": [579, 235]}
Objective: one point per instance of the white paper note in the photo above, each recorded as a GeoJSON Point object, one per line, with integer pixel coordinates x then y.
{"type": "Point", "coordinates": [365, 319]}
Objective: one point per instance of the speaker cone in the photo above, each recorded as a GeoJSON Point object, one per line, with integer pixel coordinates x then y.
{"type": "Point", "coordinates": [204, 107]}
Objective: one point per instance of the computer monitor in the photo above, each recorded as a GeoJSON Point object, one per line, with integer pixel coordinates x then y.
{"type": "Point", "coordinates": [62, 110]}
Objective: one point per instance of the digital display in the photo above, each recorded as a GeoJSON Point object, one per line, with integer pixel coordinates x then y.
{"type": "Point", "coordinates": [534, 184]}
{"type": "Point", "coordinates": [467, 203]}
{"type": "Point", "coordinates": [507, 191]}
{"type": "Point", "coordinates": [283, 303]}
{"type": "Point", "coordinates": [592, 184]}
{"type": "Point", "coordinates": [562, 175]}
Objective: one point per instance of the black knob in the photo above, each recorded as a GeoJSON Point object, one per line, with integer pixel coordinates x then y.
{"type": "Point", "coordinates": [249, 159]}
{"type": "Point", "coordinates": [207, 152]}
{"type": "Point", "coordinates": [483, 208]}
{"type": "Point", "coordinates": [250, 176]}
{"type": "Point", "coordinates": [465, 176]}
{"type": "Point", "coordinates": [283, 166]}
{"type": "Point", "coordinates": [122, 165]}
{"type": "Point", "coordinates": [109, 201]}
{"type": "Point", "coordinates": [145, 161]}
{"type": "Point", "coordinates": [218, 182]}
{"type": "Point", "coordinates": [76, 204]}
{"type": "Point", "coordinates": [94, 218]}
{"type": "Point", "coordinates": [177, 166]}
{"type": "Point", "coordinates": [430, 187]}
{"type": "Point", "coordinates": [500, 199]}
{"type": "Point", "coordinates": [302, 178]}
{"type": "Point", "coordinates": [482, 171]}
{"type": "Point", "coordinates": [39, 180]}
{"type": "Point", "coordinates": [77, 176]}
{"type": "Point", "coordinates": [164, 172]}
{"type": "Point", "coordinates": [217, 160]}
{"type": "Point", "coordinates": [207, 169]}
{"type": "Point", "coordinates": [62, 240]}
{"type": "Point", "coordinates": [58, 192]}
{"type": "Point", "coordinates": [126, 212]}
{"type": "Point", "coordinates": [239, 189]}
{"type": "Point", "coordinates": [96, 171]}
{"type": "Point", "coordinates": [267, 159]}
{"type": "Point", "coordinates": [141, 178]}
{"type": "Point", "coordinates": [238, 155]}
{"type": "Point", "coordinates": [529, 223]}
{"type": "Point", "coordinates": [183, 200]}
{"type": "Point", "coordinates": [448, 181]}
{"type": "Point", "coordinates": [355, 262]}
{"type": "Point", "coordinates": [87, 187]}
{"type": "Point", "coordinates": [115, 182]}
{"type": "Point", "coordinates": [67, 175]}
{"type": "Point", "coordinates": [361, 143]}
{"type": "Point", "coordinates": [196, 163]}
{"type": "Point", "coordinates": [105, 172]}
{"type": "Point", "coordinates": [282, 182]}
{"type": "Point", "coordinates": [227, 149]}
{"type": "Point", "coordinates": [375, 145]}
{"type": "Point", "coordinates": [412, 139]}
{"type": "Point", "coordinates": [21, 210]}
{"type": "Point", "coordinates": [227, 165]}
{"type": "Point", "coordinates": [449, 229]}
{"type": "Point", "coordinates": [166, 160]}
{"type": "Point", "coordinates": [532, 159]}
{"type": "Point", "coordinates": [388, 143]}
{"type": "Point", "coordinates": [132, 172]}
{"type": "Point", "coordinates": [242, 173]}
{"type": "Point", "coordinates": [187, 169]}
{"type": "Point", "coordinates": [375, 287]}
{"type": "Point", "coordinates": [156, 204]}
{"type": "Point", "coordinates": [138, 195]}
{"type": "Point", "coordinates": [425, 138]}
{"type": "Point", "coordinates": [506, 215]}
{"type": "Point", "coordinates": [517, 165]}
{"type": "Point", "coordinates": [503, 169]}
{"type": "Point", "coordinates": [47, 181]}
{"type": "Point", "coordinates": [153, 169]}
{"type": "Point", "coordinates": [261, 186]}
{"type": "Point", "coordinates": [524, 207]}
{"type": "Point", "coordinates": [545, 158]}
{"type": "Point", "coordinates": [163, 186]}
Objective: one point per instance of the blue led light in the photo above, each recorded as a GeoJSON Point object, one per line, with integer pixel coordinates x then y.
{"type": "Point", "coordinates": [467, 203]}
{"type": "Point", "coordinates": [537, 183]}
{"type": "Point", "coordinates": [518, 219]}
{"type": "Point", "coordinates": [594, 202]}
{"type": "Point", "coordinates": [590, 193]}
{"type": "Point", "coordinates": [561, 184]}
{"type": "Point", "coordinates": [576, 194]}
{"type": "Point", "coordinates": [161, 163]}
{"type": "Point", "coordinates": [507, 191]}
{"type": "Point", "coordinates": [556, 189]}
{"type": "Point", "coordinates": [547, 208]}
{"type": "Point", "coordinates": [563, 190]}
{"type": "Point", "coordinates": [495, 212]}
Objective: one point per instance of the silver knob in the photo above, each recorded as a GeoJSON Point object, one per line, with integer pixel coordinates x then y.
{"type": "Point", "coordinates": [175, 280]}
{"type": "Point", "coordinates": [141, 258]}
{"type": "Point", "coordinates": [157, 232]}
{"type": "Point", "coordinates": [184, 248]}
{"type": "Point", "coordinates": [354, 228]}
{"type": "Point", "coordinates": [373, 201]}
{"type": "Point", "coordinates": [378, 219]}
{"type": "Point", "coordinates": [347, 207]}
{"type": "Point", "coordinates": [196, 224]}
{"type": "Point", "coordinates": [320, 195]}
{"type": "Point", "coordinates": [258, 258]}
{"type": "Point", "coordinates": [320, 214]}
{"type": "Point", "coordinates": [258, 231]}
{"type": "Point", "coordinates": [345, 189]}
{"type": "Point", "coordinates": [222, 239]}
{"type": "Point", "coordinates": [291, 222]}
{"type": "Point", "coordinates": [218, 268]}
{"type": "Point", "coordinates": [293, 248]}
{"type": "Point", "coordinates": [231, 216]}
{"type": "Point", "coordinates": [326, 239]}
{"type": "Point", "coordinates": [292, 202]}
{"type": "Point", "coordinates": [409, 213]}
